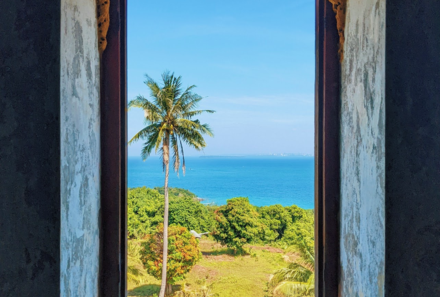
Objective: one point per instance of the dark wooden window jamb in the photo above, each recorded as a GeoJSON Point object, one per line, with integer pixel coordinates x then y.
{"type": "Point", "coordinates": [113, 243]}
{"type": "Point", "coordinates": [327, 155]}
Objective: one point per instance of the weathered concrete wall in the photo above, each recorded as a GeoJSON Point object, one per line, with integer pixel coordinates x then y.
{"type": "Point", "coordinates": [413, 148]}
{"type": "Point", "coordinates": [80, 149]}
{"type": "Point", "coordinates": [363, 150]}
{"type": "Point", "coordinates": [29, 148]}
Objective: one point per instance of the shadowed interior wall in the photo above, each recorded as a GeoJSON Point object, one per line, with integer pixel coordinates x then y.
{"type": "Point", "coordinates": [80, 149]}
{"type": "Point", "coordinates": [363, 150]}
{"type": "Point", "coordinates": [50, 148]}
{"type": "Point", "coordinates": [413, 148]}
{"type": "Point", "coordinates": [29, 148]}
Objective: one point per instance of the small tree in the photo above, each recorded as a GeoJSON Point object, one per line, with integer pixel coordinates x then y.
{"type": "Point", "coordinates": [236, 223]}
{"type": "Point", "coordinates": [183, 254]}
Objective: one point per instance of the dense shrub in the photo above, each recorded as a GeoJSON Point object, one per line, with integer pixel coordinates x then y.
{"type": "Point", "coordinates": [301, 231]}
{"type": "Point", "coordinates": [146, 208]}
{"type": "Point", "coordinates": [183, 253]}
{"type": "Point", "coordinates": [298, 213]}
{"type": "Point", "coordinates": [275, 219]}
{"type": "Point", "coordinates": [176, 192]}
{"type": "Point", "coordinates": [236, 223]}
{"type": "Point", "coordinates": [144, 211]}
{"type": "Point", "coordinates": [190, 213]}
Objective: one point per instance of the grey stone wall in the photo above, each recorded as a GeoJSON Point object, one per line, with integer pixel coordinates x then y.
{"type": "Point", "coordinates": [80, 149]}
{"type": "Point", "coordinates": [29, 148]}
{"type": "Point", "coordinates": [362, 218]}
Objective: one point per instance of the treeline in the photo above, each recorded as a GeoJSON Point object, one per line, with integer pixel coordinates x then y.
{"type": "Point", "coordinates": [235, 224]}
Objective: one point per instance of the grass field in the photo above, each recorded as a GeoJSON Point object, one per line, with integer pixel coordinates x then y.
{"type": "Point", "coordinates": [223, 274]}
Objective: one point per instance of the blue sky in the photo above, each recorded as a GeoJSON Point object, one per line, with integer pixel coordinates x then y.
{"type": "Point", "coordinates": [252, 61]}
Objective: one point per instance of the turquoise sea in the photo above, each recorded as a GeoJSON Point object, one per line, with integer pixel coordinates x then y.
{"type": "Point", "coordinates": [265, 180]}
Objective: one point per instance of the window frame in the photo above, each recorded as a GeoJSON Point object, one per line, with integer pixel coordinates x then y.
{"type": "Point", "coordinates": [327, 152]}
{"type": "Point", "coordinates": [113, 229]}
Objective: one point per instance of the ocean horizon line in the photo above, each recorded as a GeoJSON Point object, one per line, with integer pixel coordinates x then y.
{"type": "Point", "coordinates": [265, 180]}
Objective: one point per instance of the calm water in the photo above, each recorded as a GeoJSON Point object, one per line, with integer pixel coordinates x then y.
{"type": "Point", "coordinates": [264, 180]}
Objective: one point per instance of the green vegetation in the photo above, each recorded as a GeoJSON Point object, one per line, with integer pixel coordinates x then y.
{"type": "Point", "coordinates": [169, 117]}
{"type": "Point", "coordinates": [278, 240]}
{"type": "Point", "coordinates": [297, 279]}
{"type": "Point", "coordinates": [274, 219]}
{"type": "Point", "coordinates": [183, 254]}
{"type": "Point", "coordinates": [146, 208]}
{"type": "Point", "coordinates": [144, 211]}
{"type": "Point", "coordinates": [236, 223]}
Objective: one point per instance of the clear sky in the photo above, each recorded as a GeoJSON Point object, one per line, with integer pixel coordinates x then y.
{"type": "Point", "coordinates": [252, 61]}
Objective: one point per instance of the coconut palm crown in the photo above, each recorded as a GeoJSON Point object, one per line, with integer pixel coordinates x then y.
{"type": "Point", "coordinates": [169, 117]}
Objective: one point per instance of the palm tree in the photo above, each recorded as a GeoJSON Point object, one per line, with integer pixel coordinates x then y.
{"type": "Point", "coordinates": [169, 123]}
{"type": "Point", "coordinates": [299, 277]}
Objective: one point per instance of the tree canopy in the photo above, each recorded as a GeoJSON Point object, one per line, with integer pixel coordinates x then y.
{"type": "Point", "coordinates": [183, 253]}
{"type": "Point", "coordinates": [146, 209]}
{"type": "Point", "coordinates": [169, 117]}
{"type": "Point", "coordinates": [236, 223]}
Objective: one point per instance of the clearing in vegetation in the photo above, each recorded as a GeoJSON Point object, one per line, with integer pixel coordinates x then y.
{"type": "Point", "coordinates": [221, 273]}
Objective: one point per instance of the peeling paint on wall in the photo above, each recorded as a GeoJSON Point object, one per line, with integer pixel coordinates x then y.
{"type": "Point", "coordinates": [340, 8]}
{"type": "Point", "coordinates": [363, 150]}
{"type": "Point", "coordinates": [103, 23]}
{"type": "Point", "coordinates": [80, 149]}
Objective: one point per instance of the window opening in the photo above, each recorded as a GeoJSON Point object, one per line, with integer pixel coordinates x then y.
{"type": "Point", "coordinates": [253, 65]}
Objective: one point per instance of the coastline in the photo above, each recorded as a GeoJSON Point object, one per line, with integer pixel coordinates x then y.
{"type": "Point", "coordinates": [264, 180]}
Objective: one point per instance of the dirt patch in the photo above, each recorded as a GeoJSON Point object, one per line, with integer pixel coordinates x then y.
{"type": "Point", "coordinates": [204, 272]}
{"type": "Point", "coordinates": [291, 257]}
{"type": "Point", "coordinates": [217, 258]}
{"type": "Point", "coordinates": [209, 245]}
{"type": "Point", "coordinates": [268, 248]}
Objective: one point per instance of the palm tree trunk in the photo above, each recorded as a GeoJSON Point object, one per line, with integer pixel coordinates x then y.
{"type": "Point", "coordinates": [166, 160]}
{"type": "Point", "coordinates": [169, 289]}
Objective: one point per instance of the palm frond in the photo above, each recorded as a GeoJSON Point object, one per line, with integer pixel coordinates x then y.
{"type": "Point", "coordinates": [294, 289]}
{"type": "Point", "coordinates": [297, 279]}
{"type": "Point", "coordinates": [194, 125]}
{"type": "Point", "coordinates": [294, 272]}
{"type": "Point", "coordinates": [191, 102]}
{"type": "Point", "coordinates": [144, 133]}
{"type": "Point", "coordinates": [175, 147]}
{"type": "Point", "coordinates": [137, 102]}
{"type": "Point", "coordinates": [183, 155]}
{"type": "Point", "coordinates": [206, 130]}
{"type": "Point", "coordinates": [190, 114]}
{"type": "Point", "coordinates": [169, 113]}
{"type": "Point", "coordinates": [152, 139]}
{"type": "Point", "coordinates": [191, 137]}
